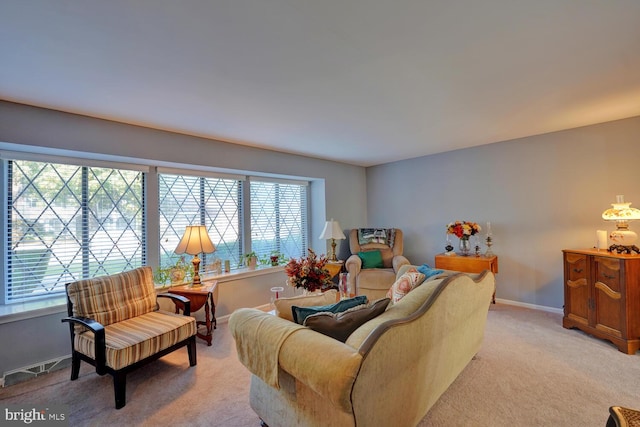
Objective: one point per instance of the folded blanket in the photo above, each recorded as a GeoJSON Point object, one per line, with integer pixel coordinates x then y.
{"type": "Point", "coordinates": [385, 236]}
{"type": "Point", "coordinates": [259, 337]}
{"type": "Point", "coordinates": [428, 271]}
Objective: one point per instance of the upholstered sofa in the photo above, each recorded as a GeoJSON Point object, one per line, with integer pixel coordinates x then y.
{"type": "Point", "coordinates": [388, 372]}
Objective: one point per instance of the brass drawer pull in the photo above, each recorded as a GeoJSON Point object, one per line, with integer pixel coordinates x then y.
{"type": "Point", "coordinates": [577, 270]}
{"type": "Point", "coordinates": [606, 276]}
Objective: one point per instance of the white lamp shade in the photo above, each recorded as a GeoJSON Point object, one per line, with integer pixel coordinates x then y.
{"type": "Point", "coordinates": [332, 230]}
{"type": "Point", "coordinates": [621, 212]}
{"type": "Point", "coordinates": [195, 240]}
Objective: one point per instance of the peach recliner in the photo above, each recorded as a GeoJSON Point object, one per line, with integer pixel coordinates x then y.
{"type": "Point", "coordinates": [375, 282]}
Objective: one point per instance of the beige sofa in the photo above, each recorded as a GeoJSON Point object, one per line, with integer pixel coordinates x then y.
{"type": "Point", "coordinates": [389, 372]}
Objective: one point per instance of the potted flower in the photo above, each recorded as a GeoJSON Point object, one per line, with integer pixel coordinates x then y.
{"type": "Point", "coordinates": [308, 273]}
{"type": "Point", "coordinates": [276, 258]}
{"type": "Point", "coordinates": [463, 230]}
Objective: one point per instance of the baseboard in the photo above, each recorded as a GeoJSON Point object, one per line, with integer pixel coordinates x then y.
{"type": "Point", "coordinates": [532, 306]}
{"type": "Point", "coordinates": [27, 372]}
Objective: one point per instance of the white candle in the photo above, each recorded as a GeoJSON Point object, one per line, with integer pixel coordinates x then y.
{"type": "Point", "coordinates": [602, 239]}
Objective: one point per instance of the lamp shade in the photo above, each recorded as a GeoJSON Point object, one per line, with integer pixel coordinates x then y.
{"type": "Point", "coordinates": [332, 230]}
{"type": "Point", "coordinates": [195, 240]}
{"type": "Point", "coordinates": [623, 238]}
{"type": "Point", "coordinates": [621, 211]}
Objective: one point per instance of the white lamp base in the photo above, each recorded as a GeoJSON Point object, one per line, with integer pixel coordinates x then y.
{"type": "Point", "coordinates": [624, 240]}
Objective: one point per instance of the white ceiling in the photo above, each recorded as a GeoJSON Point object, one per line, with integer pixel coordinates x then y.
{"type": "Point", "coordinates": [359, 81]}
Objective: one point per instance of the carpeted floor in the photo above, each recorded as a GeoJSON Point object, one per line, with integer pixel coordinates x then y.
{"type": "Point", "coordinates": [530, 372]}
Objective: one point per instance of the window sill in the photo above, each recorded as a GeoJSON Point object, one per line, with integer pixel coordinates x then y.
{"type": "Point", "coordinates": [27, 310]}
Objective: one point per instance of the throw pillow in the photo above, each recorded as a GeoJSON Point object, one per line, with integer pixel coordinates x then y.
{"type": "Point", "coordinates": [283, 305]}
{"type": "Point", "coordinates": [371, 259]}
{"type": "Point", "coordinates": [341, 325]}
{"type": "Point", "coordinates": [428, 271]}
{"type": "Point", "coordinates": [405, 284]}
{"type": "Point", "coordinates": [301, 313]}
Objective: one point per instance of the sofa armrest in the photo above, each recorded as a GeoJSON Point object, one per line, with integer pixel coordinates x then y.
{"type": "Point", "coordinates": [399, 261]}
{"type": "Point", "coordinates": [327, 366]}
{"type": "Point", "coordinates": [259, 337]}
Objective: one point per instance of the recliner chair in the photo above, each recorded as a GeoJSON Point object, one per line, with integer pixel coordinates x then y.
{"type": "Point", "coordinates": [375, 282]}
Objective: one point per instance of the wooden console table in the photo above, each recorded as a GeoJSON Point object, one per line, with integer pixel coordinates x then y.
{"type": "Point", "coordinates": [205, 295]}
{"type": "Point", "coordinates": [468, 264]}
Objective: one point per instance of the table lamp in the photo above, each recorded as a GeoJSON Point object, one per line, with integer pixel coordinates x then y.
{"type": "Point", "coordinates": [623, 238]}
{"type": "Point", "coordinates": [332, 231]}
{"type": "Point", "coordinates": [194, 241]}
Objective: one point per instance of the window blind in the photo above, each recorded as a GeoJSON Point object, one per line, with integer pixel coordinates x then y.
{"type": "Point", "coordinates": [69, 222]}
{"type": "Point", "coordinates": [200, 200]}
{"type": "Point", "coordinates": [278, 218]}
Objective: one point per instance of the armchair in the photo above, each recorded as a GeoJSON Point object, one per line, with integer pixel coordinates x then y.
{"type": "Point", "coordinates": [375, 282]}
{"type": "Point", "coordinates": [116, 327]}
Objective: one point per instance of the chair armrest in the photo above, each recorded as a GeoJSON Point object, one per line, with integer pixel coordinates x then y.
{"type": "Point", "coordinates": [353, 265]}
{"type": "Point", "coordinates": [98, 339]}
{"type": "Point", "coordinates": [398, 261]}
{"type": "Point", "coordinates": [186, 302]}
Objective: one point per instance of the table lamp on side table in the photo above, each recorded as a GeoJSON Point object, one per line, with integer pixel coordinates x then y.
{"type": "Point", "coordinates": [195, 241]}
{"type": "Point", "coordinates": [332, 231]}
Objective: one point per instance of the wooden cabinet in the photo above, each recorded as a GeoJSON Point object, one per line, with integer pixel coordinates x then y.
{"type": "Point", "coordinates": [602, 296]}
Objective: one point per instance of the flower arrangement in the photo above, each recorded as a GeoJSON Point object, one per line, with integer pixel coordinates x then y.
{"type": "Point", "coordinates": [308, 273]}
{"type": "Point", "coordinates": [463, 229]}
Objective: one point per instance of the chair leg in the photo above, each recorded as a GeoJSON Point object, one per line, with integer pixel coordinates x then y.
{"type": "Point", "coordinates": [75, 366]}
{"type": "Point", "coordinates": [191, 349]}
{"type": "Point", "coordinates": [120, 388]}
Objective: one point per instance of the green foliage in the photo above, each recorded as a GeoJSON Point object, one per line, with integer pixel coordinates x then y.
{"type": "Point", "coordinates": [163, 275]}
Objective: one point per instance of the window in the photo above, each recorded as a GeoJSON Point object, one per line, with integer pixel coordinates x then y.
{"type": "Point", "coordinates": [68, 222]}
{"type": "Point", "coordinates": [66, 219]}
{"type": "Point", "coordinates": [198, 200]}
{"type": "Point", "coordinates": [278, 218]}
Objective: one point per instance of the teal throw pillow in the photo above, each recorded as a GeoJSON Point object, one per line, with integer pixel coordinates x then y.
{"type": "Point", "coordinates": [371, 259]}
{"type": "Point", "coordinates": [301, 313]}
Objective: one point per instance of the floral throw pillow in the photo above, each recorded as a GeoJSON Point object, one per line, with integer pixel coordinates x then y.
{"type": "Point", "coordinates": [405, 284]}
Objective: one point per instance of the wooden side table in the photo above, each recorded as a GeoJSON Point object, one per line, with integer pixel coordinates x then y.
{"type": "Point", "coordinates": [334, 267]}
{"type": "Point", "coordinates": [468, 264]}
{"type": "Point", "coordinates": [205, 295]}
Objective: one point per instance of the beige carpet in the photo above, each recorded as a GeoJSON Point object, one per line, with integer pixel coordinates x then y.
{"type": "Point", "coordinates": [530, 372]}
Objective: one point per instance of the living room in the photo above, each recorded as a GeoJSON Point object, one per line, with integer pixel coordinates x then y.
{"type": "Point", "coordinates": [542, 192]}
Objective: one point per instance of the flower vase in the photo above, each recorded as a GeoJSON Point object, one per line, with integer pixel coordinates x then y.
{"type": "Point", "coordinates": [465, 246]}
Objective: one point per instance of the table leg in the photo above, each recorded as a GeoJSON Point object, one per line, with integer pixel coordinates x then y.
{"type": "Point", "coordinates": [207, 323]}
